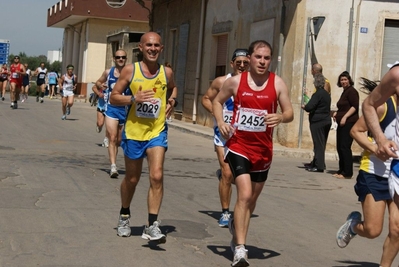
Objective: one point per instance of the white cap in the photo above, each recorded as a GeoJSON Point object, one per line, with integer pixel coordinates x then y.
{"type": "Point", "coordinates": [391, 65]}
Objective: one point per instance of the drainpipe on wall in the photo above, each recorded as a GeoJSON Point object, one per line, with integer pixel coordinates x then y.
{"type": "Point", "coordinates": [354, 74]}
{"type": "Point", "coordinates": [349, 51]}
{"type": "Point", "coordinates": [84, 53]}
{"type": "Point", "coordinates": [199, 56]}
{"type": "Point", "coordinates": [281, 41]}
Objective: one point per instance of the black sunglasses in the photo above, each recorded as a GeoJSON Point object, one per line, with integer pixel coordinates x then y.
{"type": "Point", "coordinates": [16, 57]}
{"type": "Point", "coordinates": [239, 62]}
{"type": "Point", "coordinates": [120, 57]}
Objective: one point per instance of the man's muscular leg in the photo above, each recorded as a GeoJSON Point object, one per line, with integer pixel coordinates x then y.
{"type": "Point", "coordinates": [225, 181]}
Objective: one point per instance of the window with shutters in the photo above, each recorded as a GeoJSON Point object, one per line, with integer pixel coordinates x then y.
{"type": "Point", "coordinates": [390, 50]}
{"type": "Point", "coordinates": [221, 57]}
{"type": "Point", "coordinates": [173, 47]}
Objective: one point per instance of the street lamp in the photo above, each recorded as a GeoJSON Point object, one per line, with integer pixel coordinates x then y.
{"type": "Point", "coordinates": [317, 23]}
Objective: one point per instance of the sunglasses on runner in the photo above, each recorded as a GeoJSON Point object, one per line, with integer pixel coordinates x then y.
{"type": "Point", "coordinates": [120, 57]}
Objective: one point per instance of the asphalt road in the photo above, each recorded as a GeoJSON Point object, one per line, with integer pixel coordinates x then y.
{"type": "Point", "coordinates": [58, 206]}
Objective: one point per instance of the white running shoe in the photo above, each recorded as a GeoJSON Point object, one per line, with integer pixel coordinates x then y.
{"type": "Point", "coordinates": [105, 142]}
{"type": "Point", "coordinates": [240, 257]}
{"type": "Point", "coordinates": [344, 233]}
{"type": "Point", "coordinates": [153, 233]}
{"type": "Point", "coordinates": [224, 219]}
{"type": "Point", "coordinates": [123, 225]}
{"type": "Point", "coordinates": [114, 171]}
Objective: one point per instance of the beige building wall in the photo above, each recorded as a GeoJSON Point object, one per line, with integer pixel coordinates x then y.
{"type": "Point", "coordinates": [330, 47]}
{"type": "Point", "coordinates": [367, 60]}
{"type": "Point", "coordinates": [284, 24]}
{"type": "Point", "coordinates": [89, 42]}
{"type": "Point", "coordinates": [170, 18]}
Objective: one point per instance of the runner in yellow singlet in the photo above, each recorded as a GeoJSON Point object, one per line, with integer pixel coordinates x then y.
{"type": "Point", "coordinates": [145, 132]}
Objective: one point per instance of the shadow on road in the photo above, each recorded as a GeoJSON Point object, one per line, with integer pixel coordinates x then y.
{"type": "Point", "coordinates": [216, 214]}
{"type": "Point", "coordinates": [121, 172]}
{"type": "Point", "coordinates": [253, 252]}
{"type": "Point", "coordinates": [356, 264]}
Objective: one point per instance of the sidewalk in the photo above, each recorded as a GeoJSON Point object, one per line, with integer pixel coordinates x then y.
{"type": "Point", "coordinates": [279, 150]}
{"type": "Point", "coordinates": [207, 132]}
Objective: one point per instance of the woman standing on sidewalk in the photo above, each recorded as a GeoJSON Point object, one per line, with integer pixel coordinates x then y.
{"type": "Point", "coordinates": [346, 116]}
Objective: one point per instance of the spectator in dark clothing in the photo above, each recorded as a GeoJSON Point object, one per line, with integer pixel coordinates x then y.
{"type": "Point", "coordinates": [346, 116]}
{"type": "Point", "coordinates": [320, 122]}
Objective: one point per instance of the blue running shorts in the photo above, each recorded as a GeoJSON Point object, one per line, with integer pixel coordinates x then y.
{"type": "Point", "coordinates": [116, 113]}
{"type": "Point", "coordinates": [137, 149]}
{"type": "Point", "coordinates": [367, 183]}
{"type": "Point", "coordinates": [101, 105]}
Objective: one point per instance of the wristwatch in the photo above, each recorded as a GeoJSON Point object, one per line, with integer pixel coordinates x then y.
{"type": "Point", "coordinates": [132, 99]}
{"type": "Point", "coordinates": [176, 103]}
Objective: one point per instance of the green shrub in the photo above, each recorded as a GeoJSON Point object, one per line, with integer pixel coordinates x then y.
{"type": "Point", "coordinates": [32, 89]}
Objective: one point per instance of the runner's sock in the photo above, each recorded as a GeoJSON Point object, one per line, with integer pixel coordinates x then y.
{"type": "Point", "coordinates": [124, 210]}
{"type": "Point", "coordinates": [152, 218]}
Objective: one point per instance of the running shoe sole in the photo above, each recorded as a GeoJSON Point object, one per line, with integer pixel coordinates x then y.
{"type": "Point", "coordinates": [160, 240]}
{"type": "Point", "coordinates": [241, 263]}
{"type": "Point", "coordinates": [114, 175]}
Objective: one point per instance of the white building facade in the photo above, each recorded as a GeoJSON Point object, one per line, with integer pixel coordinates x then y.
{"type": "Point", "coordinates": [54, 55]}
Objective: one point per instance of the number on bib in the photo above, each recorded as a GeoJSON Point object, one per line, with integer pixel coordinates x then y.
{"type": "Point", "coordinates": [227, 116]}
{"type": "Point", "coordinates": [251, 120]}
{"type": "Point", "coordinates": [149, 109]}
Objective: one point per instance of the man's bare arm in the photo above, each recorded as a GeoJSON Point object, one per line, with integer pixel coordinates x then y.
{"type": "Point", "coordinates": [23, 70]}
{"type": "Point", "coordinates": [117, 98]}
{"type": "Point", "coordinates": [359, 133]}
{"type": "Point", "coordinates": [61, 81]}
{"type": "Point", "coordinates": [211, 93]}
{"type": "Point", "coordinates": [287, 112]}
{"type": "Point", "coordinates": [172, 91]}
{"type": "Point", "coordinates": [103, 78]}
{"type": "Point", "coordinates": [388, 86]}
{"type": "Point", "coordinates": [228, 89]}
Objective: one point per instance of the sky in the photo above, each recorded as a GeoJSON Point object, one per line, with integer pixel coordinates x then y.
{"type": "Point", "coordinates": [24, 24]}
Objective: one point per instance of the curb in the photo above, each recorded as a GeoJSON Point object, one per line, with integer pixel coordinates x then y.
{"type": "Point", "coordinates": [279, 150]}
{"type": "Point", "coordinates": [187, 129]}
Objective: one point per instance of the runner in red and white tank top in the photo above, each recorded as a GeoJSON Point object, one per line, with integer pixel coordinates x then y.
{"type": "Point", "coordinates": [252, 138]}
{"type": "Point", "coordinates": [15, 73]}
{"type": "Point", "coordinates": [17, 70]}
{"type": "Point", "coordinates": [250, 147]}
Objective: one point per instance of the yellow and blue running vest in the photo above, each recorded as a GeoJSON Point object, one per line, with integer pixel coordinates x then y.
{"type": "Point", "coordinates": [369, 162]}
{"type": "Point", "coordinates": [146, 121]}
